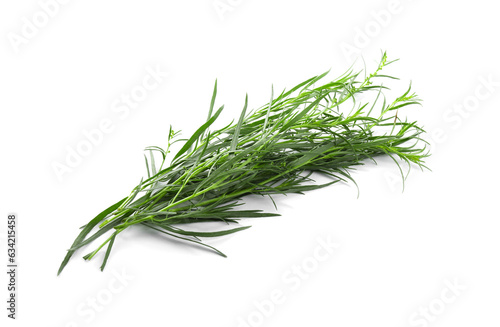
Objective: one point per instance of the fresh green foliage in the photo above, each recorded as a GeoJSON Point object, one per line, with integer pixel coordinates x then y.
{"type": "Point", "coordinates": [270, 150]}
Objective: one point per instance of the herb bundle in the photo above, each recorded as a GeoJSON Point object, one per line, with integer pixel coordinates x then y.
{"type": "Point", "coordinates": [271, 150]}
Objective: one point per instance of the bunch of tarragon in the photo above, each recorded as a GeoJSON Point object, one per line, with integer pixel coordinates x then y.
{"type": "Point", "coordinates": [272, 150]}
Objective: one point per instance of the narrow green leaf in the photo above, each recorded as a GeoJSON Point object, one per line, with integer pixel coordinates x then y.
{"type": "Point", "coordinates": [236, 134]}
{"type": "Point", "coordinates": [197, 134]}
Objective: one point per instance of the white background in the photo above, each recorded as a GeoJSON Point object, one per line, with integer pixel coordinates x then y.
{"type": "Point", "coordinates": [398, 252]}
